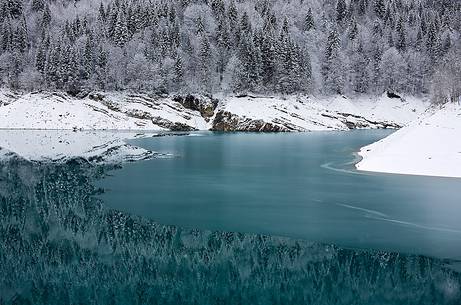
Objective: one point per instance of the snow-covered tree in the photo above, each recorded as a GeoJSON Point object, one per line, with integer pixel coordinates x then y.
{"type": "Point", "coordinates": [251, 45]}
{"type": "Point", "coordinates": [332, 70]}
{"type": "Point", "coordinates": [309, 23]}
{"type": "Point", "coordinates": [393, 69]}
{"type": "Point", "coordinates": [446, 82]}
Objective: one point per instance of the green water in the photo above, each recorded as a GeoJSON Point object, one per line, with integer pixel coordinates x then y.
{"type": "Point", "coordinates": [231, 219]}
{"type": "Point", "coordinates": [294, 185]}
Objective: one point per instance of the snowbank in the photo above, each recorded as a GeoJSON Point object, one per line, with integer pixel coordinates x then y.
{"type": "Point", "coordinates": [61, 146]}
{"type": "Point", "coordinates": [430, 146]}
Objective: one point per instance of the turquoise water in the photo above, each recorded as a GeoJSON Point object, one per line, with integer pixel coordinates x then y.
{"type": "Point", "coordinates": [295, 185]}
{"type": "Point", "coordinates": [230, 219]}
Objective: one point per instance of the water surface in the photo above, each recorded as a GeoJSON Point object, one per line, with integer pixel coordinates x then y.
{"type": "Point", "coordinates": [229, 199]}
{"type": "Point", "coordinates": [296, 185]}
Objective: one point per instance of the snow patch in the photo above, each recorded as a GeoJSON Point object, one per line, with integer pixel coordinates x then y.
{"type": "Point", "coordinates": [430, 146]}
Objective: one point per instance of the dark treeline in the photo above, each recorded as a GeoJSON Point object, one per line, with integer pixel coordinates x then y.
{"type": "Point", "coordinates": [209, 46]}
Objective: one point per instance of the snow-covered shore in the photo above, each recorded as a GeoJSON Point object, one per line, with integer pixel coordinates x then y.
{"type": "Point", "coordinates": [128, 111]}
{"type": "Point", "coordinates": [429, 146]}
{"type": "Point", "coordinates": [39, 126]}
{"type": "Point", "coordinates": [111, 111]}
{"type": "Point", "coordinates": [59, 146]}
{"type": "Point", "coordinates": [316, 114]}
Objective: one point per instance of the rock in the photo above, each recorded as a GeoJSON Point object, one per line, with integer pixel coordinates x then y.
{"type": "Point", "coordinates": [181, 127]}
{"type": "Point", "coordinates": [80, 94]}
{"type": "Point", "coordinates": [393, 95]}
{"type": "Point", "coordinates": [173, 126]}
{"type": "Point", "coordinates": [96, 96]}
{"type": "Point", "coordinates": [205, 105]}
{"type": "Point", "coordinates": [226, 121]}
{"type": "Point", "coordinates": [353, 121]}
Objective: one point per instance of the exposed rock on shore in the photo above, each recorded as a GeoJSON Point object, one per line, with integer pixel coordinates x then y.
{"type": "Point", "coordinates": [130, 111]}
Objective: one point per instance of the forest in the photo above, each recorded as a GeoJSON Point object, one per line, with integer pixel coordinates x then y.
{"type": "Point", "coordinates": [349, 47]}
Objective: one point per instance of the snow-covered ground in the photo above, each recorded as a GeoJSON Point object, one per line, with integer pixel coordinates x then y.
{"type": "Point", "coordinates": [63, 145]}
{"type": "Point", "coordinates": [429, 146]}
{"type": "Point", "coordinates": [333, 113]}
{"type": "Point", "coordinates": [128, 111]}
{"type": "Point", "coordinates": [111, 111]}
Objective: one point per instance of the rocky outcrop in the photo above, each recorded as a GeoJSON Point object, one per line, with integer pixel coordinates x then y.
{"type": "Point", "coordinates": [205, 105]}
{"type": "Point", "coordinates": [152, 104]}
{"type": "Point", "coordinates": [145, 111]}
{"type": "Point", "coordinates": [225, 121]}
{"type": "Point", "coordinates": [304, 113]}
{"type": "Point", "coordinates": [352, 121]}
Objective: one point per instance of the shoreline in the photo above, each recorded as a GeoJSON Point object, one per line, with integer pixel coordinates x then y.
{"type": "Point", "coordinates": [423, 145]}
{"type": "Point", "coordinates": [429, 147]}
{"type": "Point", "coordinates": [143, 112]}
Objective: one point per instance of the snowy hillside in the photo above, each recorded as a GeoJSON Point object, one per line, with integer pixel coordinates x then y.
{"type": "Point", "coordinates": [126, 111]}
{"type": "Point", "coordinates": [430, 146]}
{"type": "Point", "coordinates": [96, 112]}
{"type": "Point", "coordinates": [312, 114]}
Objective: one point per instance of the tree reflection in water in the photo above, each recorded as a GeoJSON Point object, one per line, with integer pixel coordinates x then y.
{"type": "Point", "coordinates": [60, 245]}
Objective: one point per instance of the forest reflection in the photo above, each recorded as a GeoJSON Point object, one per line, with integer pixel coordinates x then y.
{"type": "Point", "coordinates": [60, 245]}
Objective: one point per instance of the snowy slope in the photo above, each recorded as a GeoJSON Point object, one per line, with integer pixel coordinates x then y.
{"type": "Point", "coordinates": [63, 145]}
{"type": "Point", "coordinates": [127, 111]}
{"type": "Point", "coordinates": [109, 111]}
{"type": "Point", "coordinates": [311, 114]}
{"type": "Point", "coordinates": [430, 146]}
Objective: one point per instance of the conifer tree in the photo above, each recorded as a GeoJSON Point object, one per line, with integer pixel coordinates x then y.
{"type": "Point", "coordinates": [88, 58]}
{"type": "Point", "coordinates": [121, 32]}
{"type": "Point", "coordinates": [353, 30]}
{"type": "Point", "coordinates": [341, 11]}
{"type": "Point", "coordinates": [40, 57]}
{"type": "Point", "coordinates": [332, 66]}
{"type": "Point", "coordinates": [101, 67]}
{"type": "Point", "coordinates": [433, 41]}
{"type": "Point", "coordinates": [102, 13]}
{"type": "Point", "coordinates": [16, 69]}
{"type": "Point", "coordinates": [20, 39]}
{"type": "Point", "coordinates": [204, 57]}
{"type": "Point", "coordinates": [72, 84]}
{"type": "Point", "coordinates": [268, 62]}
{"type": "Point", "coordinates": [359, 73]}
{"type": "Point", "coordinates": [6, 35]}
{"type": "Point", "coordinates": [379, 8]}
{"type": "Point", "coordinates": [178, 72]}
{"type": "Point", "coordinates": [362, 7]}
{"type": "Point", "coordinates": [15, 8]}
{"type": "Point", "coordinates": [401, 36]}
{"type": "Point", "coordinates": [46, 16]}
{"type": "Point", "coordinates": [309, 23]}
{"type": "Point", "coordinates": [52, 65]}
{"type": "Point", "coordinates": [38, 5]}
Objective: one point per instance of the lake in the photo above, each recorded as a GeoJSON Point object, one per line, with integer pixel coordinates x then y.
{"type": "Point", "coordinates": [229, 219]}
{"type": "Point", "coordinates": [295, 185]}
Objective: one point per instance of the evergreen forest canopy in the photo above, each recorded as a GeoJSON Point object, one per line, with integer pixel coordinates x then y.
{"type": "Point", "coordinates": [233, 46]}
